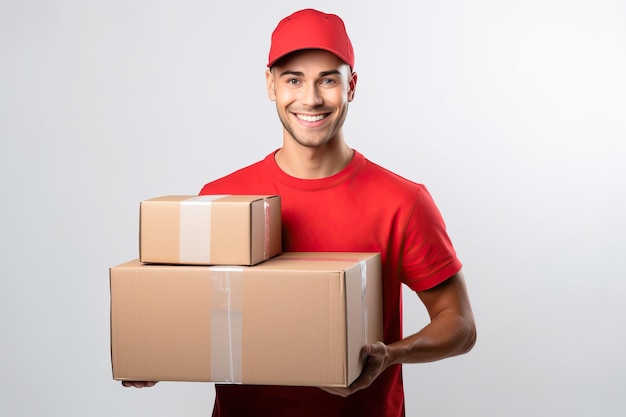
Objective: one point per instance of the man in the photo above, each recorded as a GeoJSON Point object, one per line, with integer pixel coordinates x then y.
{"type": "Point", "coordinates": [334, 199]}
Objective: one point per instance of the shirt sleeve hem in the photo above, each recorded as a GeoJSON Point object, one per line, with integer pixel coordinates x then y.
{"type": "Point", "coordinates": [436, 277]}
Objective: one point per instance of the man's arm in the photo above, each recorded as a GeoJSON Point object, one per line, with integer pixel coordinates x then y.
{"type": "Point", "coordinates": [451, 332]}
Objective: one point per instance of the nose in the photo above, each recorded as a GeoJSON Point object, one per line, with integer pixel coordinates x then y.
{"type": "Point", "coordinates": [310, 95]}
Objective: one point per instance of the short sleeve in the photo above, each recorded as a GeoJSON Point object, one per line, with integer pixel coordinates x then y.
{"type": "Point", "coordinates": [428, 256]}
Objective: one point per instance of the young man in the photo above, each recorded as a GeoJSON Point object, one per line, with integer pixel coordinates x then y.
{"type": "Point", "coordinates": [334, 199]}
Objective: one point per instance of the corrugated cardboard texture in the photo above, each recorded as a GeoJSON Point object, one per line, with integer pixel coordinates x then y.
{"type": "Point", "coordinates": [238, 230]}
{"type": "Point", "coordinates": [299, 316]}
{"type": "Point", "coordinates": [154, 321]}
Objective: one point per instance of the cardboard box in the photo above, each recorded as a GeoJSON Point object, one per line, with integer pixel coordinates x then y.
{"type": "Point", "coordinates": [297, 319]}
{"type": "Point", "coordinates": [210, 230]}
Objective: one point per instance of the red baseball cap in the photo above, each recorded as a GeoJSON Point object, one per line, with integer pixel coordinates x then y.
{"type": "Point", "coordinates": [311, 29]}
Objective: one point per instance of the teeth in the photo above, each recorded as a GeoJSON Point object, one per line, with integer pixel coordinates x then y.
{"type": "Point", "coordinates": [310, 118]}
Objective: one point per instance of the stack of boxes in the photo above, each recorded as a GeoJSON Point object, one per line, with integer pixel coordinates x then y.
{"type": "Point", "coordinates": [212, 297]}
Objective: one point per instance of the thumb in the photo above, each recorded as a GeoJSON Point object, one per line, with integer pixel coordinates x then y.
{"type": "Point", "coordinates": [375, 349]}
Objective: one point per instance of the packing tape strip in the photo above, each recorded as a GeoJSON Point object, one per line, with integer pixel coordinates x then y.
{"type": "Point", "coordinates": [364, 300]}
{"type": "Point", "coordinates": [226, 324]}
{"type": "Point", "coordinates": [195, 229]}
{"type": "Point", "coordinates": [266, 245]}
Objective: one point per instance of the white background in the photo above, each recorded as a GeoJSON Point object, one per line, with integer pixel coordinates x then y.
{"type": "Point", "coordinates": [511, 112]}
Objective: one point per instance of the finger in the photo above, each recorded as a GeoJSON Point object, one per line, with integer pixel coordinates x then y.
{"type": "Point", "coordinates": [375, 349]}
{"type": "Point", "coordinates": [364, 381]}
{"type": "Point", "coordinates": [342, 392]}
{"type": "Point", "coordinates": [139, 384]}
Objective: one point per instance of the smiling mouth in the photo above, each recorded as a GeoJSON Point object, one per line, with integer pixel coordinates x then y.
{"type": "Point", "coordinates": [311, 118]}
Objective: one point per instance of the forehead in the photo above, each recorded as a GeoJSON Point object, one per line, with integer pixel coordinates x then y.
{"type": "Point", "coordinates": [315, 60]}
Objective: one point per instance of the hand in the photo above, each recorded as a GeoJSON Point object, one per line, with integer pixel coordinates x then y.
{"type": "Point", "coordinates": [376, 362]}
{"type": "Point", "coordinates": [139, 384]}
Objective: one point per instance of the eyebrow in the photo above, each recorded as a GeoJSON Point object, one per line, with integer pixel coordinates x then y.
{"type": "Point", "coordinates": [301, 74]}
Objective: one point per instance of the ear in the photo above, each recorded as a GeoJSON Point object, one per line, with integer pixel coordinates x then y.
{"type": "Point", "coordinates": [269, 80]}
{"type": "Point", "coordinates": [352, 86]}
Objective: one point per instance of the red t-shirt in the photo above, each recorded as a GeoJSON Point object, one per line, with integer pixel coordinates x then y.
{"type": "Point", "coordinates": [363, 208]}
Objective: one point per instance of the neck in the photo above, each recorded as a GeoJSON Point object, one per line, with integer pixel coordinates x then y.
{"type": "Point", "coordinates": [313, 162]}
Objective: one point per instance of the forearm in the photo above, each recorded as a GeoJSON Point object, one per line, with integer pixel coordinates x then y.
{"type": "Point", "coordinates": [451, 330]}
{"type": "Point", "coordinates": [448, 334]}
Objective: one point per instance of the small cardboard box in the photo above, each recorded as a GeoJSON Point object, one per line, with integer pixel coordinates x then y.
{"type": "Point", "coordinates": [210, 230]}
{"type": "Point", "coordinates": [298, 319]}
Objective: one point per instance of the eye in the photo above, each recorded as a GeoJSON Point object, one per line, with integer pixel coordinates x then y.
{"type": "Point", "coordinates": [327, 81]}
{"type": "Point", "coordinates": [293, 81]}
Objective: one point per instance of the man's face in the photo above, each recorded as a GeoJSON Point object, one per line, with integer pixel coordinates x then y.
{"type": "Point", "coordinates": [311, 89]}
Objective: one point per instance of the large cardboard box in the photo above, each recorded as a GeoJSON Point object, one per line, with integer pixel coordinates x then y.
{"type": "Point", "coordinates": [296, 319]}
{"type": "Point", "coordinates": [210, 230]}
